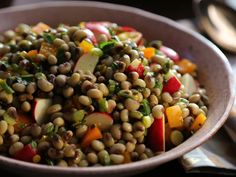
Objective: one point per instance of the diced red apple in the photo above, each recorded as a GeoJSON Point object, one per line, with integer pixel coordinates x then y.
{"type": "Point", "coordinates": [172, 85]}
{"type": "Point", "coordinates": [136, 66]}
{"type": "Point", "coordinates": [90, 35]}
{"type": "Point", "coordinates": [134, 36]}
{"type": "Point", "coordinates": [189, 83]}
{"type": "Point", "coordinates": [39, 109]}
{"type": "Point", "coordinates": [156, 135]}
{"type": "Point", "coordinates": [86, 62]}
{"type": "Point", "coordinates": [173, 55]}
{"type": "Point", "coordinates": [97, 29]}
{"type": "Point", "coordinates": [26, 154]}
{"type": "Point", "coordinates": [102, 120]}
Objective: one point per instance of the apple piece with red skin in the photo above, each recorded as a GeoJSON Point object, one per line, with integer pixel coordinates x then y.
{"type": "Point", "coordinates": [172, 85]}
{"type": "Point", "coordinates": [173, 55]}
{"type": "Point", "coordinates": [98, 29]}
{"type": "Point", "coordinates": [40, 106]}
{"type": "Point", "coordinates": [136, 66]}
{"type": "Point", "coordinates": [156, 135]}
{"type": "Point", "coordinates": [90, 36]}
{"type": "Point", "coordinates": [102, 120]}
{"type": "Point", "coordinates": [26, 154]}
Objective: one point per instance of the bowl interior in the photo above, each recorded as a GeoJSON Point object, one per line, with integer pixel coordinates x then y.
{"type": "Point", "coordinates": [214, 69]}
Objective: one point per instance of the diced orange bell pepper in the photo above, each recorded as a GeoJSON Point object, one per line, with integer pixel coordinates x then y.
{"type": "Point", "coordinates": [92, 134]}
{"type": "Point", "coordinates": [186, 66]}
{"type": "Point", "coordinates": [149, 52]}
{"type": "Point", "coordinates": [32, 53]}
{"type": "Point", "coordinates": [86, 46]}
{"type": "Point", "coordinates": [22, 121]}
{"type": "Point", "coordinates": [47, 49]}
{"type": "Point", "coordinates": [127, 157]}
{"type": "Point", "coordinates": [174, 116]}
{"type": "Point", "coordinates": [40, 28]}
{"type": "Point", "coordinates": [198, 122]}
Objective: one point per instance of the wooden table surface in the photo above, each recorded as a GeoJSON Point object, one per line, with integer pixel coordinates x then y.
{"type": "Point", "coordinates": [173, 9]}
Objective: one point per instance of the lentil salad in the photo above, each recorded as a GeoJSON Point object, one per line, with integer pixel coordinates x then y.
{"type": "Point", "coordinates": [93, 94]}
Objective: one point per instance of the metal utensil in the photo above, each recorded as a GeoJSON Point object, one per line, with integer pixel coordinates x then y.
{"type": "Point", "coordinates": [218, 20]}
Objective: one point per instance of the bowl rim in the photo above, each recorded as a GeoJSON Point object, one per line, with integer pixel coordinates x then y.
{"type": "Point", "coordinates": [143, 164]}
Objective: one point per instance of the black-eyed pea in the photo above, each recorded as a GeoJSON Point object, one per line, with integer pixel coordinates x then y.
{"type": "Point", "coordinates": [103, 88]}
{"type": "Point", "coordinates": [166, 97]}
{"type": "Point", "coordinates": [26, 106]}
{"type": "Point", "coordinates": [68, 92]}
{"type": "Point", "coordinates": [26, 139]}
{"type": "Point", "coordinates": [6, 97]}
{"type": "Point", "coordinates": [194, 98]}
{"type": "Point", "coordinates": [31, 87]}
{"type": "Point", "coordinates": [124, 115]}
{"type": "Point", "coordinates": [140, 148]}
{"type": "Point", "coordinates": [95, 93]}
{"type": "Point", "coordinates": [3, 127]}
{"type": "Point", "coordinates": [120, 77]}
{"type": "Point", "coordinates": [140, 83]}
{"type": "Point", "coordinates": [62, 163]}
{"type": "Point", "coordinates": [130, 146]}
{"type": "Point", "coordinates": [54, 108]}
{"type": "Point", "coordinates": [92, 158]}
{"type": "Point", "coordinates": [74, 79]}
{"type": "Point", "coordinates": [116, 131]}
{"type": "Point", "coordinates": [111, 105]}
{"type": "Point", "coordinates": [45, 85]}
{"type": "Point", "coordinates": [16, 147]}
{"type": "Point", "coordinates": [59, 121]}
{"type": "Point", "coordinates": [194, 108]}
{"type": "Point", "coordinates": [18, 87]}
{"type": "Point", "coordinates": [69, 151]}
{"type": "Point", "coordinates": [185, 112]}
{"type": "Point", "coordinates": [153, 100]}
{"type": "Point", "coordinates": [97, 145]}
{"type": "Point", "coordinates": [158, 111]}
{"type": "Point", "coordinates": [131, 104]}
{"type": "Point", "coordinates": [81, 130]}
{"type": "Point", "coordinates": [118, 148]}
{"type": "Point", "coordinates": [14, 138]}
{"type": "Point", "coordinates": [108, 140]}
{"type": "Point", "coordinates": [85, 100]}
{"type": "Point", "coordinates": [117, 158]}
{"type": "Point", "coordinates": [125, 85]}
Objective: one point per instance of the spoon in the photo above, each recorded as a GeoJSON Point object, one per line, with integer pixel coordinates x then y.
{"type": "Point", "coordinates": [218, 20]}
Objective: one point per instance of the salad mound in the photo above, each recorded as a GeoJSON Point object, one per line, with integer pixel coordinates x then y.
{"type": "Point", "coordinates": [94, 94]}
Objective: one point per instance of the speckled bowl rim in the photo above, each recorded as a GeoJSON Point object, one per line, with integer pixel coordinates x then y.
{"type": "Point", "coordinates": [134, 166]}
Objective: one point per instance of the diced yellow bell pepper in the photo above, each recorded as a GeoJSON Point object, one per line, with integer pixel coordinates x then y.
{"type": "Point", "coordinates": [149, 52]}
{"type": "Point", "coordinates": [47, 49]}
{"type": "Point", "coordinates": [186, 66]}
{"type": "Point", "coordinates": [198, 122]}
{"type": "Point", "coordinates": [174, 116]}
{"type": "Point", "coordinates": [86, 46]}
{"type": "Point", "coordinates": [40, 28]}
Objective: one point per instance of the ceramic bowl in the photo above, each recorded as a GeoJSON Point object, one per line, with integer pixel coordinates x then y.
{"type": "Point", "coordinates": [214, 73]}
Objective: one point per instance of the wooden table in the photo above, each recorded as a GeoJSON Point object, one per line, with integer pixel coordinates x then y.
{"type": "Point", "coordinates": [173, 9]}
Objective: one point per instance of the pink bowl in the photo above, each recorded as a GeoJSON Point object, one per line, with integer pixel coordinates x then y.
{"type": "Point", "coordinates": [214, 73]}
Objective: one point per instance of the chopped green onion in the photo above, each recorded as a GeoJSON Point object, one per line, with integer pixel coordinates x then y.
{"type": "Point", "coordinates": [33, 144]}
{"type": "Point", "coordinates": [183, 100]}
{"type": "Point", "coordinates": [78, 116]}
{"type": "Point", "coordinates": [103, 105]}
{"type": "Point", "coordinates": [6, 87]}
{"type": "Point", "coordinates": [10, 120]}
{"type": "Point", "coordinates": [111, 86]}
{"type": "Point", "coordinates": [28, 77]}
{"type": "Point", "coordinates": [48, 37]}
{"type": "Point", "coordinates": [145, 107]}
{"type": "Point", "coordinates": [158, 85]}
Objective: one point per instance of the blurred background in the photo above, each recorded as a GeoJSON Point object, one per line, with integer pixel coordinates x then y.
{"type": "Point", "coordinates": [176, 9]}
